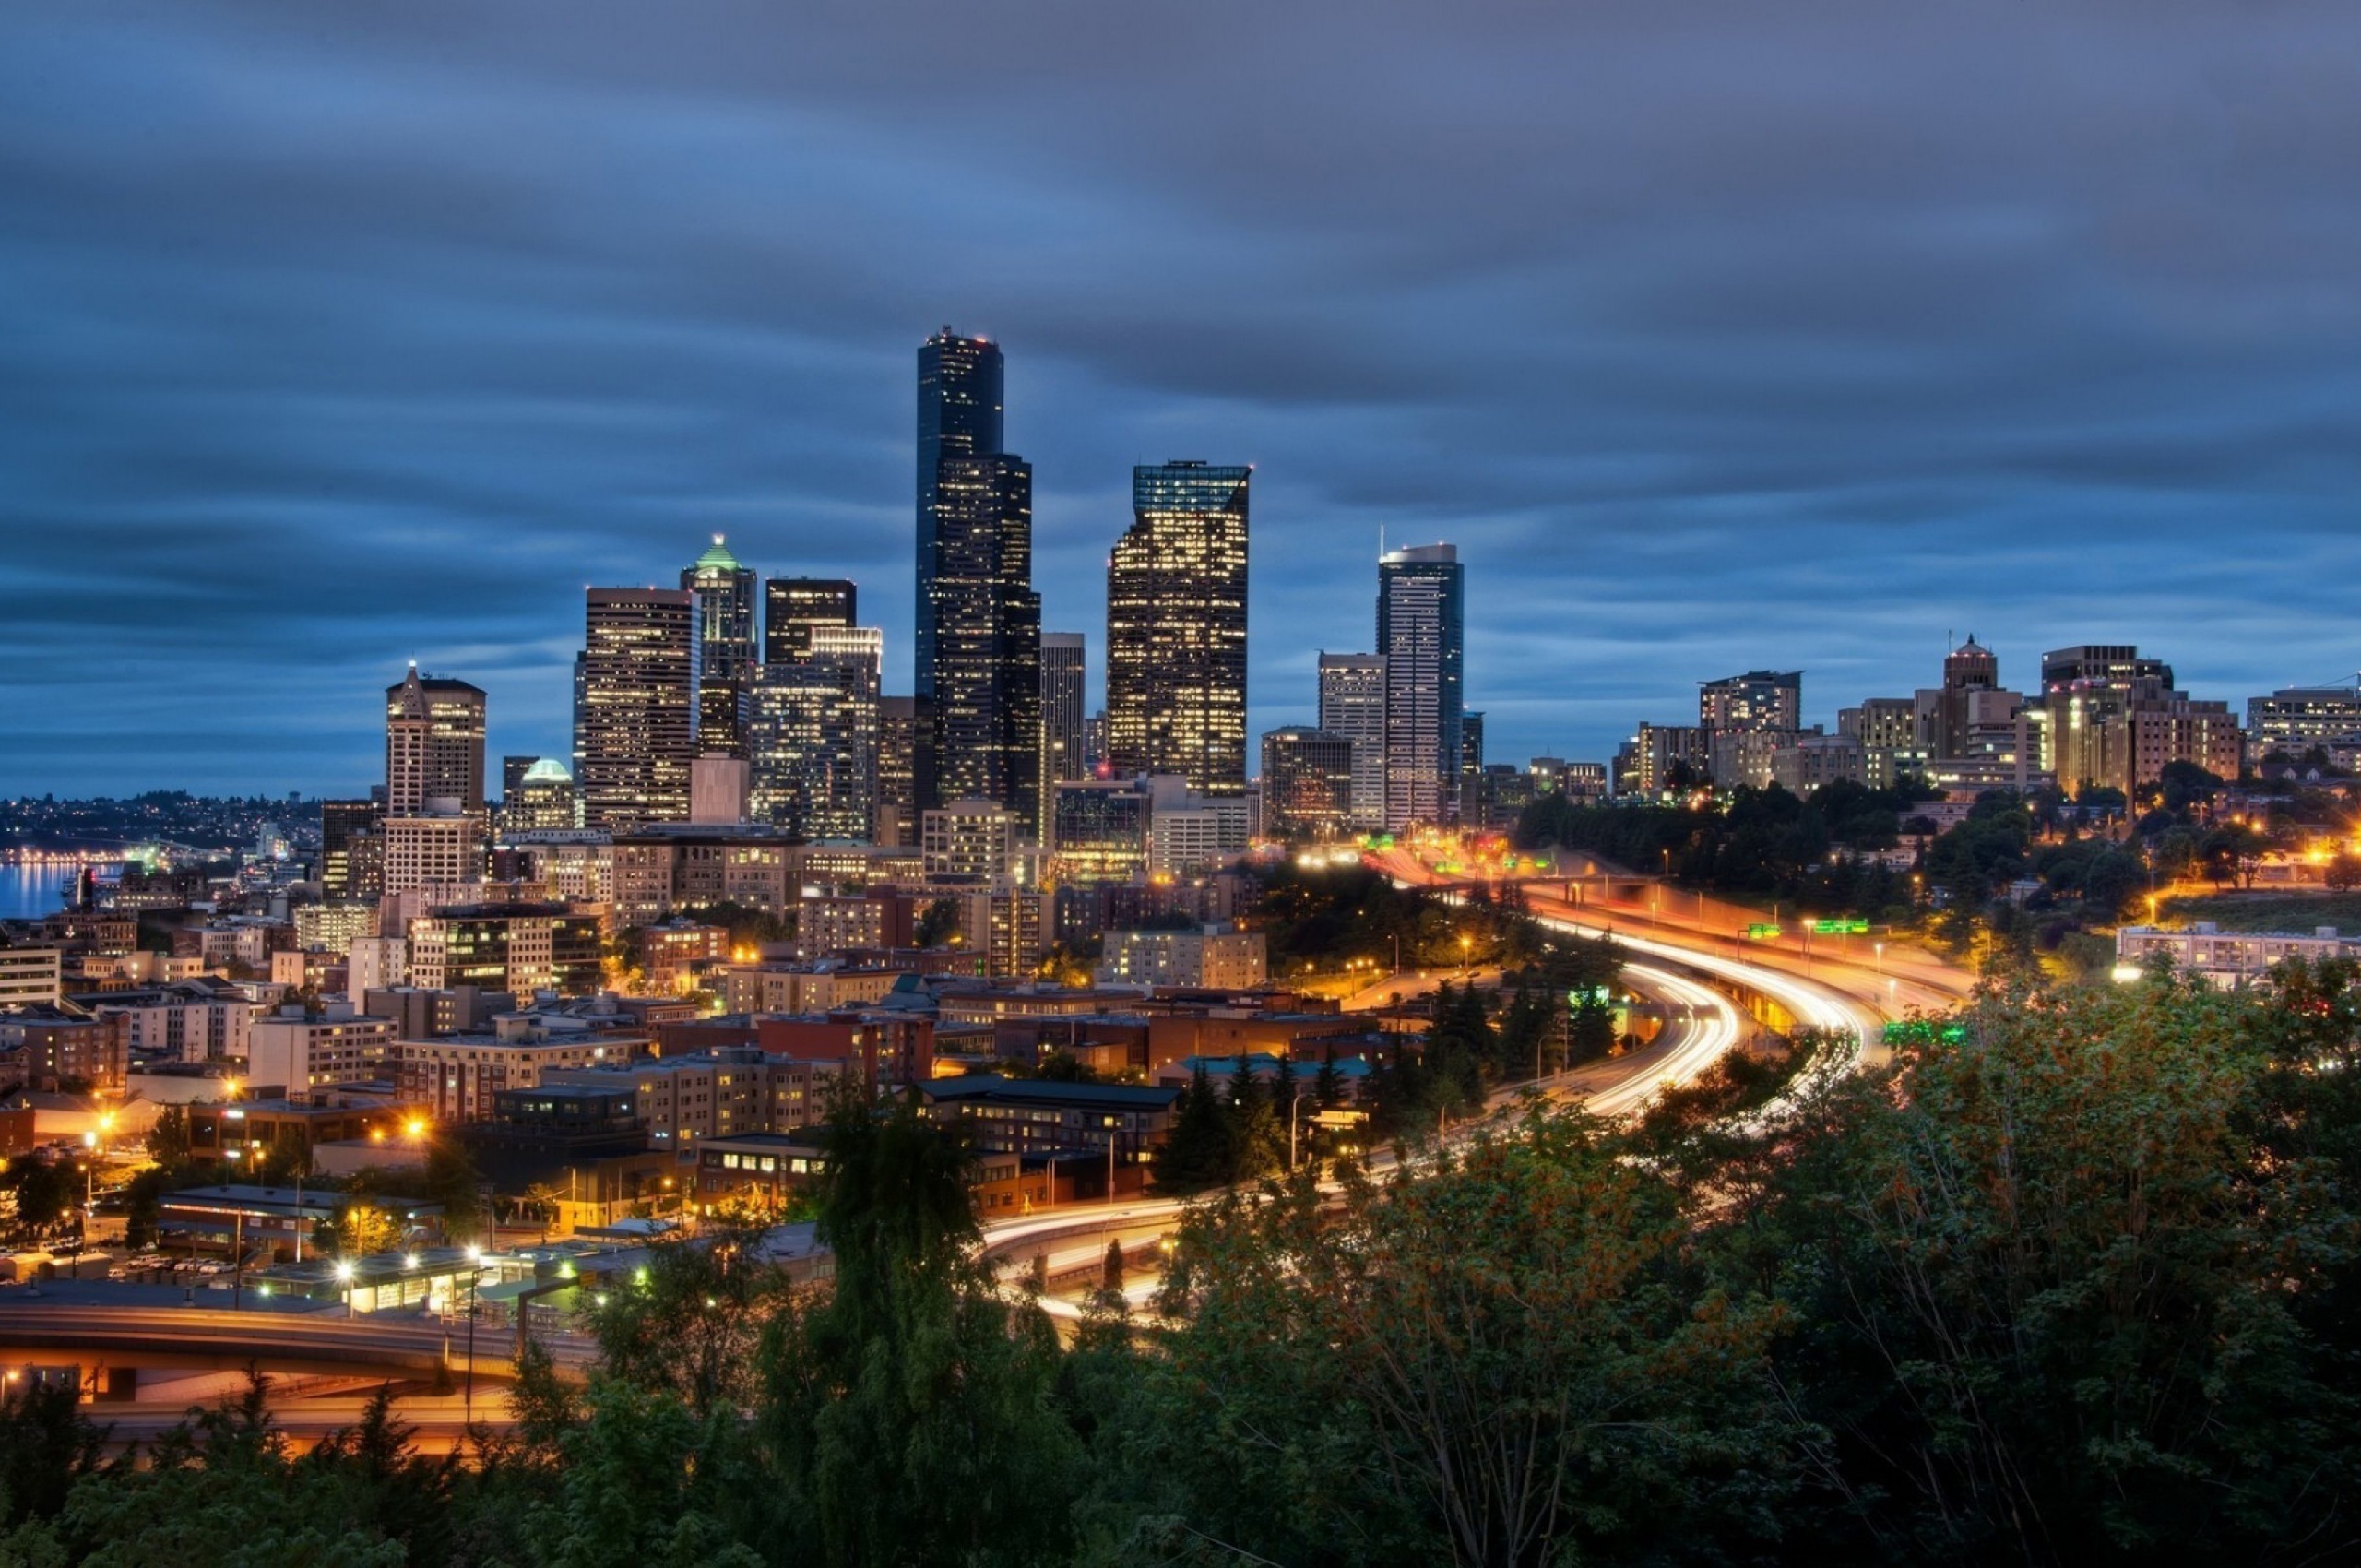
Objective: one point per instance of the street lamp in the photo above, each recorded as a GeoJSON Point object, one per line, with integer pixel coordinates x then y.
{"type": "Point", "coordinates": [89, 1182]}
{"type": "Point", "coordinates": [344, 1272]}
{"type": "Point", "coordinates": [475, 1277]}
{"type": "Point", "coordinates": [1301, 1094]}
{"type": "Point", "coordinates": [1881, 947]}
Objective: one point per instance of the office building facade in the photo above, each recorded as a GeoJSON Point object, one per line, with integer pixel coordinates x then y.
{"type": "Point", "coordinates": [793, 607]}
{"type": "Point", "coordinates": [723, 592]}
{"type": "Point", "coordinates": [1307, 785]}
{"type": "Point", "coordinates": [1176, 628]}
{"type": "Point", "coordinates": [1422, 633]}
{"type": "Point", "coordinates": [1352, 703]}
{"type": "Point", "coordinates": [635, 736]}
{"type": "Point", "coordinates": [434, 743]}
{"type": "Point", "coordinates": [816, 736]}
{"type": "Point", "coordinates": [1063, 679]}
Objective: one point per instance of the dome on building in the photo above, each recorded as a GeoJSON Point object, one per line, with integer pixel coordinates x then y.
{"type": "Point", "coordinates": [549, 770]}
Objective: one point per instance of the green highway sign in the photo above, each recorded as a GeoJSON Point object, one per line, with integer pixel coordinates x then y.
{"type": "Point", "coordinates": [1761, 931]}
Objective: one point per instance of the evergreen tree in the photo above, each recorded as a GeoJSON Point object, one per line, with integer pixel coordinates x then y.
{"type": "Point", "coordinates": [1327, 1085]}
{"type": "Point", "coordinates": [1196, 1151]}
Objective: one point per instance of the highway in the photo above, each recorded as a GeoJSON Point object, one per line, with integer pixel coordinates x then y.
{"type": "Point", "coordinates": [1703, 1024]}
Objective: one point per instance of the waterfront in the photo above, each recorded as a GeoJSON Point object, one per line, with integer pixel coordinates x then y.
{"type": "Point", "coordinates": [29, 892]}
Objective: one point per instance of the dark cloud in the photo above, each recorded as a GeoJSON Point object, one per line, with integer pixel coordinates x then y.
{"type": "Point", "coordinates": [1718, 336]}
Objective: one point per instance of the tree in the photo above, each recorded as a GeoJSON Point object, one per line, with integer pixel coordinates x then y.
{"type": "Point", "coordinates": [2057, 1304]}
{"type": "Point", "coordinates": [908, 1411]}
{"type": "Point", "coordinates": [1506, 1362]}
{"type": "Point", "coordinates": [453, 1180]}
{"type": "Point", "coordinates": [938, 923]}
{"type": "Point", "coordinates": [2343, 871]}
{"type": "Point", "coordinates": [1195, 1153]}
{"type": "Point", "coordinates": [168, 1142]}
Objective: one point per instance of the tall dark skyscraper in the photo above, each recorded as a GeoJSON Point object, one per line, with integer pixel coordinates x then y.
{"type": "Point", "coordinates": [638, 700]}
{"type": "Point", "coordinates": [793, 606]}
{"type": "Point", "coordinates": [725, 639]}
{"type": "Point", "coordinates": [1421, 633]}
{"type": "Point", "coordinates": [1176, 628]}
{"type": "Point", "coordinates": [978, 631]}
{"type": "Point", "coordinates": [959, 417]}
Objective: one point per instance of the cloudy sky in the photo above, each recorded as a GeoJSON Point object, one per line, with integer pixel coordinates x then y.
{"type": "Point", "coordinates": [1716, 336]}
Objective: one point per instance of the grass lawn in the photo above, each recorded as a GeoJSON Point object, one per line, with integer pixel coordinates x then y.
{"type": "Point", "coordinates": [2286, 913]}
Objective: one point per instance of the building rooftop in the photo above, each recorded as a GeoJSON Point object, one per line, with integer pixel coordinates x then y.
{"type": "Point", "coordinates": [1045, 1091]}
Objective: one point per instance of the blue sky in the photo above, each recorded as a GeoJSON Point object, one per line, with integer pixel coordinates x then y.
{"type": "Point", "coordinates": [1717, 336]}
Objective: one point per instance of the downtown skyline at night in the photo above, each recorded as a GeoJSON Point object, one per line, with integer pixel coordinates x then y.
{"type": "Point", "coordinates": [1814, 363]}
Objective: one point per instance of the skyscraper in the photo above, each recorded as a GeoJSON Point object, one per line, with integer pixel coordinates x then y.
{"type": "Point", "coordinates": [903, 724]}
{"type": "Point", "coordinates": [1176, 628]}
{"type": "Point", "coordinates": [794, 605]}
{"type": "Point", "coordinates": [1307, 784]}
{"type": "Point", "coordinates": [978, 630]}
{"type": "Point", "coordinates": [1352, 703]}
{"type": "Point", "coordinates": [434, 743]}
{"type": "Point", "coordinates": [638, 708]}
{"type": "Point", "coordinates": [814, 735]}
{"type": "Point", "coordinates": [724, 594]}
{"type": "Point", "coordinates": [1063, 681]}
{"type": "Point", "coordinates": [959, 417]}
{"type": "Point", "coordinates": [1421, 633]}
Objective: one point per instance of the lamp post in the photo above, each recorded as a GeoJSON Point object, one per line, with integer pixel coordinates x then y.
{"type": "Point", "coordinates": [344, 1277]}
{"type": "Point", "coordinates": [89, 1182]}
{"type": "Point", "coordinates": [1293, 1106]}
{"type": "Point", "coordinates": [475, 1277]}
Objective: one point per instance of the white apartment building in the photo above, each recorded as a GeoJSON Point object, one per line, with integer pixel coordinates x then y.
{"type": "Point", "coordinates": [2226, 958]}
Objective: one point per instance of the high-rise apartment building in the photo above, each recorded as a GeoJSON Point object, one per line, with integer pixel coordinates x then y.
{"type": "Point", "coordinates": [816, 736]}
{"type": "Point", "coordinates": [1758, 700]}
{"type": "Point", "coordinates": [1352, 703]}
{"type": "Point", "coordinates": [969, 840]}
{"type": "Point", "coordinates": [638, 706]}
{"type": "Point", "coordinates": [1422, 633]}
{"type": "Point", "coordinates": [724, 606]}
{"type": "Point", "coordinates": [1176, 628]}
{"type": "Point", "coordinates": [1307, 784]}
{"type": "Point", "coordinates": [1967, 669]}
{"type": "Point", "coordinates": [793, 606]}
{"type": "Point", "coordinates": [979, 629]}
{"type": "Point", "coordinates": [2108, 717]}
{"type": "Point", "coordinates": [1063, 681]}
{"type": "Point", "coordinates": [434, 743]}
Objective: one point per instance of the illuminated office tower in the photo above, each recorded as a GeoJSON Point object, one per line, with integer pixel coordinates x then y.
{"type": "Point", "coordinates": [638, 708]}
{"type": "Point", "coordinates": [724, 594]}
{"type": "Point", "coordinates": [793, 606]}
{"type": "Point", "coordinates": [1062, 677]}
{"type": "Point", "coordinates": [1421, 631]}
{"type": "Point", "coordinates": [978, 630]}
{"type": "Point", "coordinates": [434, 743]}
{"type": "Point", "coordinates": [1307, 784]}
{"type": "Point", "coordinates": [904, 726]}
{"type": "Point", "coordinates": [1176, 628]}
{"type": "Point", "coordinates": [1352, 703]}
{"type": "Point", "coordinates": [814, 732]}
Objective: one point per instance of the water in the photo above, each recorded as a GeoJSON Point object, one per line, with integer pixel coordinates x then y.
{"type": "Point", "coordinates": [26, 893]}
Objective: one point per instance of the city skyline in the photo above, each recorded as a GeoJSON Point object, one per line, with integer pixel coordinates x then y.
{"type": "Point", "coordinates": [1810, 383]}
